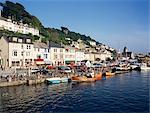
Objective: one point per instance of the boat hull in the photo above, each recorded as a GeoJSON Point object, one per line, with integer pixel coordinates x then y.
{"type": "Point", "coordinates": [55, 80]}
{"type": "Point", "coordinates": [64, 80]}
{"type": "Point", "coordinates": [109, 74]}
{"type": "Point", "coordinates": [98, 76]}
{"type": "Point", "coordinates": [83, 79]}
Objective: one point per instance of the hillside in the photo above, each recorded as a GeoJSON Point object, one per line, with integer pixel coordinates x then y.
{"type": "Point", "coordinates": [17, 12]}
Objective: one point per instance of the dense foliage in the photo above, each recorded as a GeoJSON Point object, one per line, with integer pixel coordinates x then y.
{"type": "Point", "coordinates": [17, 12]}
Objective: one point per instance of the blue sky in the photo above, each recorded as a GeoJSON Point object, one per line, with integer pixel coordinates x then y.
{"type": "Point", "coordinates": [116, 23]}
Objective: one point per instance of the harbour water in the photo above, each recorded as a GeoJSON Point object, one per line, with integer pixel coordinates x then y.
{"type": "Point", "coordinates": [125, 93]}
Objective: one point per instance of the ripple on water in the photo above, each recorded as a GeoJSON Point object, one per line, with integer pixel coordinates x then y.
{"type": "Point", "coordinates": [123, 93]}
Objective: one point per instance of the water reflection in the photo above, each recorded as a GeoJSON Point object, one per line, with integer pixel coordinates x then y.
{"type": "Point", "coordinates": [122, 93]}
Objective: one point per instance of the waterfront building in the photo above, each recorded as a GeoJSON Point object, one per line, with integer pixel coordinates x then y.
{"type": "Point", "coordinates": [9, 24]}
{"type": "Point", "coordinates": [57, 54]}
{"type": "Point", "coordinates": [70, 54]}
{"type": "Point", "coordinates": [41, 53]}
{"type": "Point", "coordinates": [79, 56]}
{"type": "Point", "coordinates": [16, 51]}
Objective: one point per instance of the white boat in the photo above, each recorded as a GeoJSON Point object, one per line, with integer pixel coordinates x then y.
{"type": "Point", "coordinates": [64, 79]}
{"type": "Point", "coordinates": [144, 66]}
{"type": "Point", "coordinates": [54, 80]}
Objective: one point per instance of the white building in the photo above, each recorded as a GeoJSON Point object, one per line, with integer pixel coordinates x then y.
{"type": "Point", "coordinates": [57, 54]}
{"type": "Point", "coordinates": [79, 56]}
{"type": "Point", "coordinates": [41, 51]}
{"type": "Point", "coordinates": [16, 51]}
{"type": "Point", "coordinates": [10, 25]}
{"type": "Point", "coordinates": [70, 54]}
{"type": "Point", "coordinates": [92, 43]}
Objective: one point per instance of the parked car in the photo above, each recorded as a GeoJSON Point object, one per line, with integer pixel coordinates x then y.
{"type": "Point", "coordinates": [63, 69]}
{"type": "Point", "coordinates": [34, 70]}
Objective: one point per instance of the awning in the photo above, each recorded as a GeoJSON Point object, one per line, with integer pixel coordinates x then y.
{"type": "Point", "coordinates": [39, 61]}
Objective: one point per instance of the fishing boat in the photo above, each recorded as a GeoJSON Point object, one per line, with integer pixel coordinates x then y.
{"type": "Point", "coordinates": [109, 74]}
{"type": "Point", "coordinates": [83, 79]}
{"type": "Point", "coordinates": [54, 80]}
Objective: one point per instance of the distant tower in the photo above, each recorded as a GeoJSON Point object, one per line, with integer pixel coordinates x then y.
{"type": "Point", "coordinates": [125, 50]}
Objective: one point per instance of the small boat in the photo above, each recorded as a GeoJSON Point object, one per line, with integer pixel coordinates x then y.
{"type": "Point", "coordinates": [98, 76]}
{"type": "Point", "coordinates": [83, 79]}
{"type": "Point", "coordinates": [64, 79]}
{"type": "Point", "coordinates": [54, 80]}
{"type": "Point", "coordinates": [109, 74]}
{"type": "Point", "coordinates": [144, 66]}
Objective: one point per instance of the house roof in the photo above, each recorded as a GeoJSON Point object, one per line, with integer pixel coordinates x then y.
{"type": "Point", "coordinates": [40, 45]}
{"type": "Point", "coordinates": [52, 44]}
{"type": "Point", "coordinates": [24, 39]}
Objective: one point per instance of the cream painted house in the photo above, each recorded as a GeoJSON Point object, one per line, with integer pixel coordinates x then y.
{"type": "Point", "coordinates": [16, 51]}
{"type": "Point", "coordinates": [70, 54]}
{"type": "Point", "coordinates": [79, 56]}
{"type": "Point", "coordinates": [57, 54]}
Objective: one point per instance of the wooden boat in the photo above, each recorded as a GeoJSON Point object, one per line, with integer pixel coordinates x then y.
{"type": "Point", "coordinates": [83, 79]}
{"type": "Point", "coordinates": [98, 76]}
{"type": "Point", "coordinates": [109, 74]}
{"type": "Point", "coordinates": [54, 80]}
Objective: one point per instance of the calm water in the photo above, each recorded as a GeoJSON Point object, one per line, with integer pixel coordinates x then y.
{"type": "Point", "coordinates": [126, 93]}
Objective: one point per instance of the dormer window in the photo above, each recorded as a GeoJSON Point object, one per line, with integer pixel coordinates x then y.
{"type": "Point", "coordinates": [28, 40]}
{"type": "Point", "coordinates": [15, 39]}
{"type": "Point", "coordinates": [20, 40]}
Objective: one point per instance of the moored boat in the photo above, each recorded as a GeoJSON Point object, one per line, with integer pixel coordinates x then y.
{"type": "Point", "coordinates": [54, 80]}
{"type": "Point", "coordinates": [64, 79]}
{"type": "Point", "coordinates": [109, 74]}
{"type": "Point", "coordinates": [83, 79]}
{"type": "Point", "coordinates": [98, 76]}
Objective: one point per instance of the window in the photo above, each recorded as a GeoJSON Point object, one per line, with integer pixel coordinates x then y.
{"type": "Point", "coordinates": [61, 50]}
{"type": "Point", "coordinates": [22, 53]}
{"type": "Point", "coordinates": [28, 40]}
{"type": "Point", "coordinates": [27, 46]}
{"type": "Point", "coordinates": [15, 39]}
{"type": "Point", "coordinates": [38, 49]}
{"type": "Point", "coordinates": [55, 56]}
{"type": "Point", "coordinates": [48, 50]}
{"type": "Point", "coordinates": [27, 53]}
{"type": "Point", "coordinates": [45, 56]}
{"type": "Point", "coordinates": [55, 50]}
{"type": "Point", "coordinates": [20, 40]}
{"type": "Point", "coordinates": [21, 46]}
{"type": "Point", "coordinates": [61, 56]}
{"type": "Point", "coordinates": [14, 53]}
{"type": "Point", "coordinates": [45, 50]}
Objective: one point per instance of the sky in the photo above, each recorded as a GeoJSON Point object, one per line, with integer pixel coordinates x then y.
{"type": "Point", "coordinates": [116, 23]}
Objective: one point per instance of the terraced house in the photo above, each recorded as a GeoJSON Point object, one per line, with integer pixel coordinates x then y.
{"type": "Point", "coordinates": [16, 51]}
